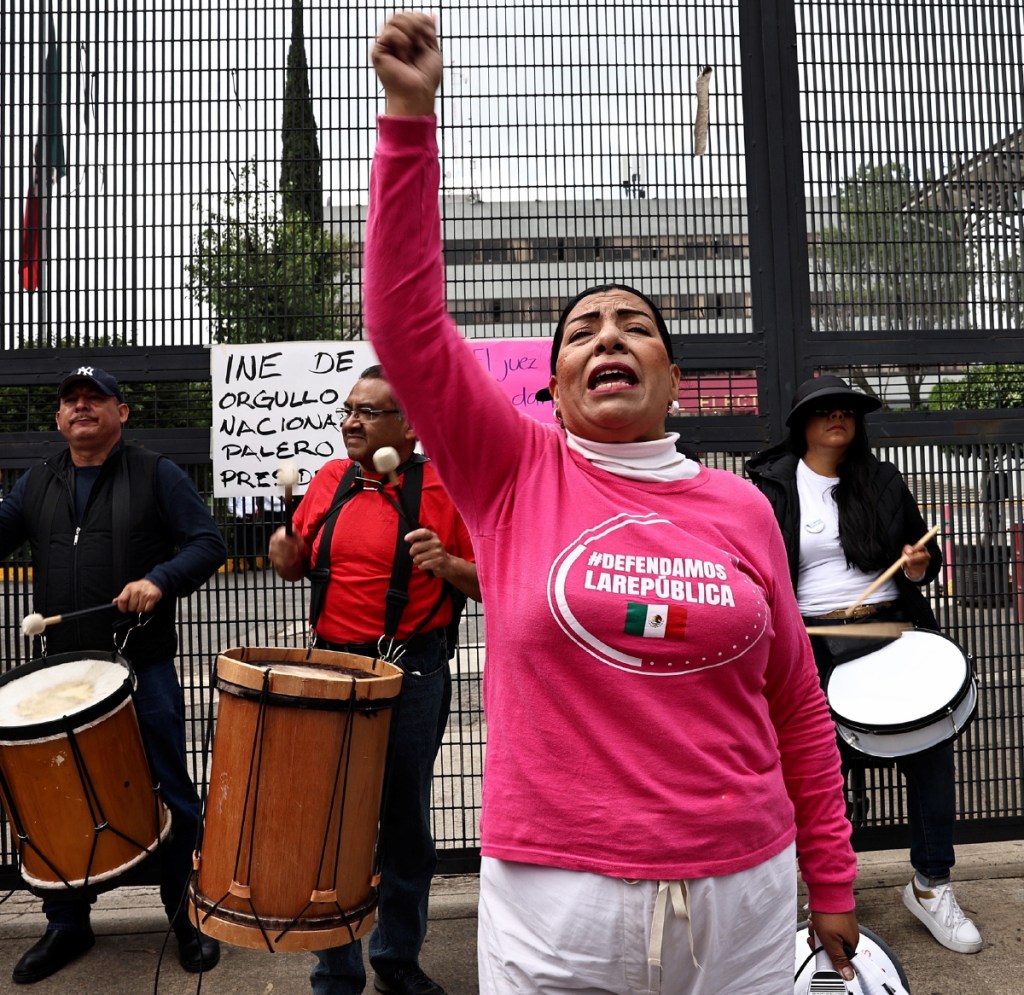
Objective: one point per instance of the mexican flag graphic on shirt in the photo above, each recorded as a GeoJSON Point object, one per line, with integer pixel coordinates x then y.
{"type": "Point", "coordinates": [655, 621]}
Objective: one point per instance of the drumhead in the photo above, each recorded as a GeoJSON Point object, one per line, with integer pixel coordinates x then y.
{"type": "Point", "coordinates": [308, 678]}
{"type": "Point", "coordinates": [905, 684]}
{"type": "Point", "coordinates": [884, 965]}
{"type": "Point", "coordinates": [51, 695]}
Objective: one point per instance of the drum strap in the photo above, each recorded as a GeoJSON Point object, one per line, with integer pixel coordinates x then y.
{"type": "Point", "coordinates": [401, 570]}
{"type": "Point", "coordinates": [320, 573]}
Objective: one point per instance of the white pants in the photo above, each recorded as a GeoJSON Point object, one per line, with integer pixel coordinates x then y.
{"type": "Point", "coordinates": [544, 931]}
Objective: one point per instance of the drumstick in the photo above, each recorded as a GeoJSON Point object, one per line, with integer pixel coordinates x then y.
{"type": "Point", "coordinates": [288, 477]}
{"type": "Point", "coordinates": [875, 584]}
{"type": "Point", "coordinates": [861, 630]}
{"type": "Point", "coordinates": [35, 624]}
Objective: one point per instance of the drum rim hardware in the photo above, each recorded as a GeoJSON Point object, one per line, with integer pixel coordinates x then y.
{"type": "Point", "coordinates": [890, 739]}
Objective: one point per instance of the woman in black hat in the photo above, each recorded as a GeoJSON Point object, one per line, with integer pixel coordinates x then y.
{"type": "Point", "coordinates": [845, 517]}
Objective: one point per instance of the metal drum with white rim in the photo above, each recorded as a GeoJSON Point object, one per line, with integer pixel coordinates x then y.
{"type": "Point", "coordinates": [911, 694]}
{"type": "Point", "coordinates": [878, 970]}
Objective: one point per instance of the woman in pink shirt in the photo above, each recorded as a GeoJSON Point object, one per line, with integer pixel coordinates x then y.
{"type": "Point", "coordinates": [658, 745]}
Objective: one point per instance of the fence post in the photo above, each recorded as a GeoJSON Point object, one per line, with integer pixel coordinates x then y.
{"type": "Point", "coordinates": [776, 206]}
{"type": "Point", "coordinates": [947, 549]}
{"type": "Point", "coordinates": [1017, 530]}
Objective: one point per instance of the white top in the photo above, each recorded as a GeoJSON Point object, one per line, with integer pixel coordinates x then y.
{"type": "Point", "coordinates": [653, 460]}
{"type": "Point", "coordinates": [827, 581]}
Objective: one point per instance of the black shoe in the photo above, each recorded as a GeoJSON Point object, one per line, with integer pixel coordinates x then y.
{"type": "Point", "coordinates": [406, 979]}
{"type": "Point", "coordinates": [196, 952]}
{"type": "Point", "coordinates": [55, 949]}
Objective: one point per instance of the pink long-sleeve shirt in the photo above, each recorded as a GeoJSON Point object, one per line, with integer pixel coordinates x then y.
{"type": "Point", "coordinates": [653, 709]}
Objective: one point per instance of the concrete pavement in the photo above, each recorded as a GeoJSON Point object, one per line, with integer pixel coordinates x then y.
{"type": "Point", "coordinates": [130, 930]}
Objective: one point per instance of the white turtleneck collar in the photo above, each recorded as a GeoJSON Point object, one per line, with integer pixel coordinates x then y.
{"type": "Point", "coordinates": [655, 460]}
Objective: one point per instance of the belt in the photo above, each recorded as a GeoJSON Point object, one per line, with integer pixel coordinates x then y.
{"type": "Point", "coordinates": [414, 644]}
{"type": "Point", "coordinates": [861, 611]}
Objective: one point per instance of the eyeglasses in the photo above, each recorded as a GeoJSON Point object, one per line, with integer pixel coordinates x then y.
{"type": "Point", "coordinates": [825, 412]}
{"type": "Point", "coordinates": [365, 413]}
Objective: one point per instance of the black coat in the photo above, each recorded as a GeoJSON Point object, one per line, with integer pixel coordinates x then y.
{"type": "Point", "coordinates": [773, 472]}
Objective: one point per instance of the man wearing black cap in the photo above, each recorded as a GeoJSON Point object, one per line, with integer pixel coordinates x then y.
{"type": "Point", "coordinates": [114, 523]}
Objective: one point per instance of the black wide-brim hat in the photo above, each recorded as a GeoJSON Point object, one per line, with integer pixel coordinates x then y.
{"type": "Point", "coordinates": [811, 392]}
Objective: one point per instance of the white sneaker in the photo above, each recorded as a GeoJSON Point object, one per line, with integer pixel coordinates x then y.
{"type": "Point", "coordinates": [939, 910]}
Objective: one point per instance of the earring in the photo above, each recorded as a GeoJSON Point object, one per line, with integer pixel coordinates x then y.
{"type": "Point", "coordinates": [673, 409]}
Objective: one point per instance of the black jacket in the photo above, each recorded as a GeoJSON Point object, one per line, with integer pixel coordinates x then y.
{"type": "Point", "coordinates": [773, 472]}
{"type": "Point", "coordinates": [124, 534]}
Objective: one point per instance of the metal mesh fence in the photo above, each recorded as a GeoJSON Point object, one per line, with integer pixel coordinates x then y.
{"type": "Point", "coordinates": [569, 135]}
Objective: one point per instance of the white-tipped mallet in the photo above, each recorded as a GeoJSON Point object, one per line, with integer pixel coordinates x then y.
{"type": "Point", "coordinates": [386, 460]}
{"type": "Point", "coordinates": [36, 624]}
{"type": "Point", "coordinates": [288, 477]}
{"type": "Point", "coordinates": [33, 625]}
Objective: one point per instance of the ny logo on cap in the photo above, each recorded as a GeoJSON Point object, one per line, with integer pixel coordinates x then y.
{"type": "Point", "coordinates": [85, 371]}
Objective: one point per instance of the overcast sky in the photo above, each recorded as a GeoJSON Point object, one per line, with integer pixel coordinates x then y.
{"type": "Point", "coordinates": [556, 99]}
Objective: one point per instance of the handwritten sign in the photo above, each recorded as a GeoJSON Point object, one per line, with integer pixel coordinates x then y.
{"type": "Point", "coordinates": [521, 368]}
{"type": "Point", "coordinates": [277, 403]}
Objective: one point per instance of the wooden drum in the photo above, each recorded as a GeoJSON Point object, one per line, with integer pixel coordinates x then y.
{"type": "Point", "coordinates": [75, 779]}
{"type": "Point", "coordinates": [288, 859]}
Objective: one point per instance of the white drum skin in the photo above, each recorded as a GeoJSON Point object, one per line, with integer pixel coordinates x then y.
{"type": "Point", "coordinates": [911, 694]}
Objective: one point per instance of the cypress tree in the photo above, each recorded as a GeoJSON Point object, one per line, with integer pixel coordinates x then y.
{"type": "Point", "coordinates": [301, 180]}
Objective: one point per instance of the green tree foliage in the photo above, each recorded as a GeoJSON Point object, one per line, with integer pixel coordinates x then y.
{"type": "Point", "coordinates": [153, 404]}
{"type": "Point", "coordinates": [983, 387]}
{"type": "Point", "coordinates": [29, 408]}
{"type": "Point", "coordinates": [169, 405]}
{"type": "Point", "coordinates": [267, 274]}
{"type": "Point", "coordinates": [890, 264]}
{"type": "Point", "coordinates": [301, 183]}
{"type": "Point", "coordinates": [265, 265]}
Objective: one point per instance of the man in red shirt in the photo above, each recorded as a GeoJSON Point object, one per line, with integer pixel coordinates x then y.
{"type": "Point", "coordinates": [350, 616]}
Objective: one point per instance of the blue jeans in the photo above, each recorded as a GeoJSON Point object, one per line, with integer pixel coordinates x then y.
{"type": "Point", "coordinates": [929, 777]}
{"type": "Point", "coordinates": [159, 706]}
{"type": "Point", "coordinates": [931, 807]}
{"type": "Point", "coordinates": [408, 857]}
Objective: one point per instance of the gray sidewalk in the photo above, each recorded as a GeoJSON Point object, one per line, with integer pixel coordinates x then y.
{"type": "Point", "coordinates": [130, 929]}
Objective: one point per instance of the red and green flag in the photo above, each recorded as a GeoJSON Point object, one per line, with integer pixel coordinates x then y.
{"type": "Point", "coordinates": [48, 166]}
{"type": "Point", "coordinates": [655, 621]}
